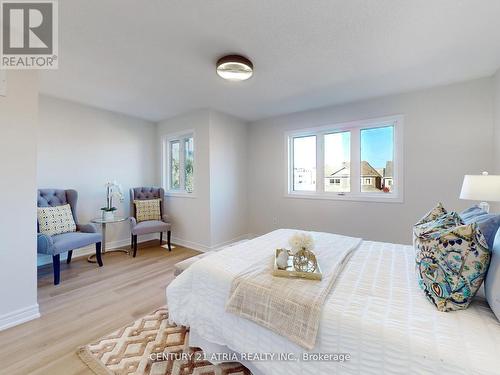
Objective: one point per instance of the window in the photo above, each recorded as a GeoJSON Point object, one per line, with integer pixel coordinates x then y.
{"type": "Point", "coordinates": [359, 160]}
{"type": "Point", "coordinates": [175, 151]}
{"type": "Point", "coordinates": [304, 163]}
{"type": "Point", "coordinates": [178, 158]}
{"type": "Point", "coordinates": [188, 163]}
{"type": "Point", "coordinates": [377, 154]}
{"type": "Point", "coordinates": [337, 148]}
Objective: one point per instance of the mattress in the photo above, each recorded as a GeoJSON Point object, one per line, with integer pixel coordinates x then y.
{"type": "Point", "coordinates": [375, 313]}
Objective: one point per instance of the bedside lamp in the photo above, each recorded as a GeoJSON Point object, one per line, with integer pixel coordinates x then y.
{"type": "Point", "coordinates": [482, 188]}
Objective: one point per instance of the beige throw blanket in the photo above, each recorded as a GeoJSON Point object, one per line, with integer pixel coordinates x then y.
{"type": "Point", "coordinates": [287, 306]}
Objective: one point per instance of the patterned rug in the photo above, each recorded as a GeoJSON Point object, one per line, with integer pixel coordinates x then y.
{"type": "Point", "coordinates": [151, 346]}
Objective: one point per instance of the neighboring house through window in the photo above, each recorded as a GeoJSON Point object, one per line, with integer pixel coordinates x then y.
{"type": "Point", "coordinates": [359, 160]}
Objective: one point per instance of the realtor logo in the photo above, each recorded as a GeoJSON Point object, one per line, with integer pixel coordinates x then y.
{"type": "Point", "coordinates": [29, 34]}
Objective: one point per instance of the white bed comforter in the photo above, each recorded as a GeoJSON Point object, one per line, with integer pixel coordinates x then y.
{"type": "Point", "coordinates": [375, 312]}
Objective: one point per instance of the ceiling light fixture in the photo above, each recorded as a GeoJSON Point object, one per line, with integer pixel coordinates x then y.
{"type": "Point", "coordinates": [234, 68]}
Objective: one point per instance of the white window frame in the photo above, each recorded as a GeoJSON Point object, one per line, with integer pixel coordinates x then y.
{"type": "Point", "coordinates": [166, 163]}
{"type": "Point", "coordinates": [355, 127]}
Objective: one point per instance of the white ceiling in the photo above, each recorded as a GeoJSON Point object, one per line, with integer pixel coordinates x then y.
{"type": "Point", "coordinates": [155, 59]}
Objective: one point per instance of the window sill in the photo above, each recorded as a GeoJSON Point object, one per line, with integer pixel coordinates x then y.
{"type": "Point", "coordinates": [348, 197]}
{"type": "Point", "coordinates": [179, 194]}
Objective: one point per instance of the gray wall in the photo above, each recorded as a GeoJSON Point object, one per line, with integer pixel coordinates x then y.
{"type": "Point", "coordinates": [18, 143]}
{"type": "Point", "coordinates": [496, 110]}
{"type": "Point", "coordinates": [191, 215]}
{"type": "Point", "coordinates": [448, 132]}
{"type": "Point", "coordinates": [82, 148]}
{"type": "Point", "coordinates": [228, 179]}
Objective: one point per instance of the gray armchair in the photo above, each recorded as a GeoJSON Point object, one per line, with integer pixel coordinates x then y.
{"type": "Point", "coordinates": [65, 242]}
{"type": "Point", "coordinates": [150, 226]}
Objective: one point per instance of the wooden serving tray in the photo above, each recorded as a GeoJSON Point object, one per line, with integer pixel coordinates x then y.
{"type": "Point", "coordinates": [290, 271]}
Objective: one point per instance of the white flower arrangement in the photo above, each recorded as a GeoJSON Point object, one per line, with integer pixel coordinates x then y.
{"type": "Point", "coordinates": [301, 241]}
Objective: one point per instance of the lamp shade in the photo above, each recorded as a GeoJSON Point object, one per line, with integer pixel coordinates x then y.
{"type": "Point", "coordinates": [481, 188]}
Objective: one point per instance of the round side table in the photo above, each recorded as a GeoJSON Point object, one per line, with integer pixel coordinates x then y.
{"type": "Point", "coordinates": [103, 223]}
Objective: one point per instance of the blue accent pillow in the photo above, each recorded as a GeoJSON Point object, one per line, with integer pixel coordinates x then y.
{"type": "Point", "coordinates": [492, 281]}
{"type": "Point", "coordinates": [472, 212]}
{"type": "Point", "coordinates": [488, 224]}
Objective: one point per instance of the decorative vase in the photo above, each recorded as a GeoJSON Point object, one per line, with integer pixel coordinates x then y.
{"type": "Point", "coordinates": [282, 259]}
{"type": "Point", "coordinates": [305, 261]}
{"type": "Point", "coordinates": [108, 215]}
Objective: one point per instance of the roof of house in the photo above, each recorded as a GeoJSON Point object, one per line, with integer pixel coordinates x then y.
{"type": "Point", "coordinates": [388, 169]}
{"type": "Point", "coordinates": [345, 169]}
{"type": "Point", "coordinates": [366, 170]}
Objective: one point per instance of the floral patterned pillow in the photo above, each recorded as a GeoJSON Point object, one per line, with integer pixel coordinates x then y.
{"type": "Point", "coordinates": [432, 228]}
{"type": "Point", "coordinates": [451, 264]}
{"type": "Point", "coordinates": [433, 214]}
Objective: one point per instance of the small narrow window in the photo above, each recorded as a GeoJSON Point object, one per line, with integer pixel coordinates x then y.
{"type": "Point", "coordinates": [377, 156]}
{"type": "Point", "coordinates": [179, 161]}
{"type": "Point", "coordinates": [337, 149]}
{"type": "Point", "coordinates": [175, 165]}
{"type": "Point", "coordinates": [188, 163]}
{"type": "Point", "coordinates": [304, 163]}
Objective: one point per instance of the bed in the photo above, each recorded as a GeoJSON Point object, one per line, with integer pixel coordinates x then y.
{"type": "Point", "coordinates": [374, 312]}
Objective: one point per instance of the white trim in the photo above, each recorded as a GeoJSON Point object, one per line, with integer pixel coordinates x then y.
{"type": "Point", "coordinates": [19, 316]}
{"type": "Point", "coordinates": [229, 242]}
{"type": "Point", "coordinates": [366, 197]}
{"type": "Point", "coordinates": [355, 128]}
{"type": "Point", "coordinates": [180, 194]}
{"type": "Point", "coordinates": [189, 244]}
{"type": "Point", "coordinates": [165, 159]}
{"type": "Point", "coordinates": [204, 248]}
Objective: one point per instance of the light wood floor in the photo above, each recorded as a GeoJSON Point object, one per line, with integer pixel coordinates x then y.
{"type": "Point", "coordinates": [89, 303]}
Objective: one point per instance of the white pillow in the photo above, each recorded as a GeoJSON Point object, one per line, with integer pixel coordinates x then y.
{"type": "Point", "coordinates": [56, 220]}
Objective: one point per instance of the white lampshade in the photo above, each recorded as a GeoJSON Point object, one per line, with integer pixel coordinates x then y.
{"type": "Point", "coordinates": [481, 188]}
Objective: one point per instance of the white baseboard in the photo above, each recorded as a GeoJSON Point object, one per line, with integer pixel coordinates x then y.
{"type": "Point", "coordinates": [230, 242]}
{"type": "Point", "coordinates": [88, 250]}
{"type": "Point", "coordinates": [204, 248]}
{"type": "Point", "coordinates": [190, 244]}
{"type": "Point", "coordinates": [19, 316]}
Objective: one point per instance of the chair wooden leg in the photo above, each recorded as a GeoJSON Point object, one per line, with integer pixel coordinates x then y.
{"type": "Point", "coordinates": [135, 245]}
{"type": "Point", "coordinates": [56, 264]}
{"type": "Point", "coordinates": [168, 241]}
{"type": "Point", "coordinates": [161, 238]}
{"type": "Point", "coordinates": [131, 241]}
{"type": "Point", "coordinates": [98, 253]}
{"type": "Point", "coordinates": [68, 259]}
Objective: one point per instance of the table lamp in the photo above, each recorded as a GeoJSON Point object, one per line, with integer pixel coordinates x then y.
{"type": "Point", "coordinates": [483, 187]}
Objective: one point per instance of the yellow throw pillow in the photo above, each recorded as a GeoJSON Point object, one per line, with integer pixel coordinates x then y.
{"type": "Point", "coordinates": [56, 220]}
{"type": "Point", "coordinates": [147, 209]}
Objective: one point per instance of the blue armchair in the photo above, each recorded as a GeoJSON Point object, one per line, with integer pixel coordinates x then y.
{"type": "Point", "coordinates": [65, 242]}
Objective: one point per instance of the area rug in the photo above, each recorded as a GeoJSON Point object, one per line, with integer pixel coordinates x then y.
{"type": "Point", "coordinates": [151, 346]}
